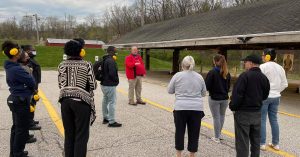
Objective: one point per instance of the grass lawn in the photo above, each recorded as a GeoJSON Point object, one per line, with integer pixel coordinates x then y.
{"type": "Point", "coordinates": [49, 58]}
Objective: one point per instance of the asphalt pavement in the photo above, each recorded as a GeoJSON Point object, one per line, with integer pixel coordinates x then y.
{"type": "Point", "coordinates": [147, 131]}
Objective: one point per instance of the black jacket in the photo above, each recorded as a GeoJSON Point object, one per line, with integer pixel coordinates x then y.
{"type": "Point", "coordinates": [36, 71]}
{"type": "Point", "coordinates": [251, 88]}
{"type": "Point", "coordinates": [217, 86]}
{"type": "Point", "coordinates": [110, 72]}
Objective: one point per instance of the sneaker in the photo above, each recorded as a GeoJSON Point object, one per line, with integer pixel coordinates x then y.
{"type": "Point", "coordinates": [276, 147]}
{"type": "Point", "coordinates": [221, 138]}
{"type": "Point", "coordinates": [115, 124]}
{"type": "Point", "coordinates": [133, 104]}
{"type": "Point", "coordinates": [105, 121]}
{"type": "Point", "coordinates": [25, 152]}
{"type": "Point", "coordinates": [215, 140]}
{"type": "Point", "coordinates": [141, 102]}
{"type": "Point", "coordinates": [263, 147]}
{"type": "Point", "coordinates": [30, 136]}
{"type": "Point", "coordinates": [35, 127]}
{"type": "Point", "coordinates": [31, 140]}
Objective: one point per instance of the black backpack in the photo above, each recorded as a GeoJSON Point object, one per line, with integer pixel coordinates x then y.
{"type": "Point", "coordinates": [98, 69]}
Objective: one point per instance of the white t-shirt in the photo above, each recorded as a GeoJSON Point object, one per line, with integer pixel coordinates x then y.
{"type": "Point", "coordinates": [277, 78]}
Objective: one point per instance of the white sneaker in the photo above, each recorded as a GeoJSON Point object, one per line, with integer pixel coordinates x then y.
{"type": "Point", "coordinates": [221, 138]}
{"type": "Point", "coordinates": [263, 147]}
{"type": "Point", "coordinates": [276, 147]}
{"type": "Point", "coordinates": [215, 140]}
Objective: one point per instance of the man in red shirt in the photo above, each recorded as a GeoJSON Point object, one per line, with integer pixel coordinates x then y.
{"type": "Point", "coordinates": [135, 70]}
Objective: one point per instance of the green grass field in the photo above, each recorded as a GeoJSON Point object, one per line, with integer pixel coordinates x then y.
{"type": "Point", "coordinates": [50, 57]}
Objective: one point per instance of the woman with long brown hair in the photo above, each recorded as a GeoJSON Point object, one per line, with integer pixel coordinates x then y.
{"type": "Point", "coordinates": [218, 83]}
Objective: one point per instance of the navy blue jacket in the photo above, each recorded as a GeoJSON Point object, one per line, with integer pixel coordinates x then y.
{"type": "Point", "coordinates": [251, 88]}
{"type": "Point", "coordinates": [19, 81]}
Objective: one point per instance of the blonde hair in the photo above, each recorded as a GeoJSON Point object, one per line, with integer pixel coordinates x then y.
{"type": "Point", "coordinates": [188, 63]}
{"type": "Point", "coordinates": [220, 61]}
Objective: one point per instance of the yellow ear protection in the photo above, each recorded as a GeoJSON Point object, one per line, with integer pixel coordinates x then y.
{"type": "Point", "coordinates": [32, 108]}
{"type": "Point", "coordinates": [114, 57]}
{"type": "Point", "coordinates": [270, 54]}
{"type": "Point", "coordinates": [13, 51]}
{"type": "Point", "coordinates": [267, 57]}
{"type": "Point", "coordinates": [36, 97]}
{"type": "Point", "coordinates": [82, 53]}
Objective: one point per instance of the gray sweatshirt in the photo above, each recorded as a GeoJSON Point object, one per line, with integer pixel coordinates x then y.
{"type": "Point", "coordinates": [189, 88]}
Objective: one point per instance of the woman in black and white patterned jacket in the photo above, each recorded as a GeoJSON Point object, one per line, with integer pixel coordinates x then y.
{"type": "Point", "coordinates": [76, 82]}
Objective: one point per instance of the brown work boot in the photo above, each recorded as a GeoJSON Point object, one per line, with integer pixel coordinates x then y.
{"type": "Point", "coordinates": [141, 102]}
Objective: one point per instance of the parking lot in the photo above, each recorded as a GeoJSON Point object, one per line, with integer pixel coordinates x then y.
{"type": "Point", "coordinates": [147, 131]}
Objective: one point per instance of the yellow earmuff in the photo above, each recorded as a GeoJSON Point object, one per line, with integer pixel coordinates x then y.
{"type": "Point", "coordinates": [267, 58]}
{"type": "Point", "coordinates": [115, 57]}
{"type": "Point", "coordinates": [13, 51]}
{"type": "Point", "coordinates": [82, 53]}
{"type": "Point", "coordinates": [32, 108]}
{"type": "Point", "coordinates": [36, 97]}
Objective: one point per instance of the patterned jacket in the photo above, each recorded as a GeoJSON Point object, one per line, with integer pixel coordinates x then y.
{"type": "Point", "coordinates": [76, 80]}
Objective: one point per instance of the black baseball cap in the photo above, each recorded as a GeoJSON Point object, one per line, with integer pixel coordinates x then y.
{"type": "Point", "coordinates": [111, 50]}
{"type": "Point", "coordinates": [253, 58]}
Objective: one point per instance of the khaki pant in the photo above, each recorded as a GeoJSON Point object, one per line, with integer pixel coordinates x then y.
{"type": "Point", "coordinates": [135, 85]}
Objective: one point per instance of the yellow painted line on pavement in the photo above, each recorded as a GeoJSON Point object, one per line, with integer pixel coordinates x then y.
{"type": "Point", "coordinates": [52, 113]}
{"type": "Point", "coordinates": [209, 126]}
{"type": "Point", "coordinates": [289, 114]}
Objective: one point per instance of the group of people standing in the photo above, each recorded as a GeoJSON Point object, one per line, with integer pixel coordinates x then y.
{"type": "Point", "coordinates": [23, 74]}
{"type": "Point", "coordinates": [255, 94]}
{"type": "Point", "coordinates": [77, 82]}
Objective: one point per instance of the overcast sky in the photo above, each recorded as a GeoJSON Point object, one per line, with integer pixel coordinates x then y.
{"type": "Point", "coordinates": [44, 8]}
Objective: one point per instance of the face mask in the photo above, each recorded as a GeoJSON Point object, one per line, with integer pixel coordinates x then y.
{"type": "Point", "coordinates": [33, 53]}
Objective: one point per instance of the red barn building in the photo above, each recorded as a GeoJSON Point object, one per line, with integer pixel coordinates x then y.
{"type": "Point", "coordinates": [61, 42]}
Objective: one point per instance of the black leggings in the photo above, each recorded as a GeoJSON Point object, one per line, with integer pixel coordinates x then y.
{"type": "Point", "coordinates": [191, 119]}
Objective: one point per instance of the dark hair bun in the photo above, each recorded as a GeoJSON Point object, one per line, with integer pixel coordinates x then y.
{"type": "Point", "coordinates": [72, 48]}
{"type": "Point", "coordinates": [7, 46]}
{"type": "Point", "coordinates": [81, 41]}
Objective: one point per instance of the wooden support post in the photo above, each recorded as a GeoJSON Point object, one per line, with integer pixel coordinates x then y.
{"type": "Point", "coordinates": [142, 53]}
{"type": "Point", "coordinates": [147, 59]}
{"type": "Point", "coordinates": [175, 67]}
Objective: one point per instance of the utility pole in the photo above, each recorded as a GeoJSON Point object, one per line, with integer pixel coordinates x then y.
{"type": "Point", "coordinates": [37, 28]}
{"type": "Point", "coordinates": [65, 26]}
{"type": "Point", "coordinates": [142, 13]}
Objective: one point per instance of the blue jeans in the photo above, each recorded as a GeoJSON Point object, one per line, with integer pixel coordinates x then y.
{"type": "Point", "coordinates": [109, 103]}
{"type": "Point", "coordinates": [270, 107]}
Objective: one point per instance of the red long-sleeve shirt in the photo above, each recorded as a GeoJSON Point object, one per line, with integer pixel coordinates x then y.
{"type": "Point", "coordinates": [133, 70]}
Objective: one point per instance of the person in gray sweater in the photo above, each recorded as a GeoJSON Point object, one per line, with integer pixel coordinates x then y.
{"type": "Point", "coordinates": [189, 89]}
